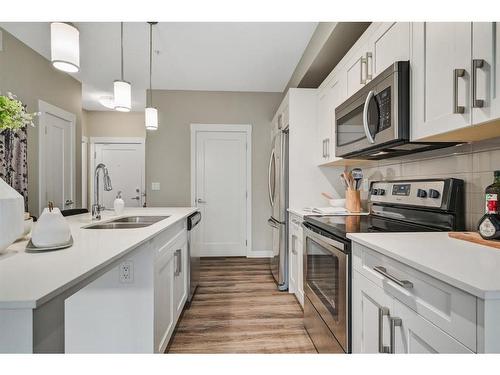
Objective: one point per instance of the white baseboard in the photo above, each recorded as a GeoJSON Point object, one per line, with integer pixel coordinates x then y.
{"type": "Point", "coordinates": [260, 254]}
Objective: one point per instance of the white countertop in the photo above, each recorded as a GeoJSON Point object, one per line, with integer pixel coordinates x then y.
{"type": "Point", "coordinates": [465, 265]}
{"type": "Point", "coordinates": [29, 279]}
{"type": "Point", "coordinates": [301, 213]}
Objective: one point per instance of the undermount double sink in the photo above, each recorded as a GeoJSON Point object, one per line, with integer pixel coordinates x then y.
{"type": "Point", "coordinates": [128, 222]}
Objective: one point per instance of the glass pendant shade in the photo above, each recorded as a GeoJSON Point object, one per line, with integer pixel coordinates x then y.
{"type": "Point", "coordinates": [123, 96]}
{"type": "Point", "coordinates": [65, 47]}
{"type": "Point", "coordinates": [151, 115]}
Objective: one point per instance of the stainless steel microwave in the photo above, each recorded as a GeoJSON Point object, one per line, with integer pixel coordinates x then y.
{"type": "Point", "coordinates": [374, 123]}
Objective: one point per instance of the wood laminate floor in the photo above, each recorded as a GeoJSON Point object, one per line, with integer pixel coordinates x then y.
{"type": "Point", "coordinates": [237, 309]}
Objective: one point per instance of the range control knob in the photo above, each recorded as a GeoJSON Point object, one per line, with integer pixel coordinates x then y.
{"type": "Point", "coordinates": [374, 191]}
{"type": "Point", "coordinates": [421, 193]}
{"type": "Point", "coordinates": [433, 193]}
{"type": "Point", "coordinates": [381, 192]}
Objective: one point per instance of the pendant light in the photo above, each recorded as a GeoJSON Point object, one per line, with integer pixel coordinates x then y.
{"type": "Point", "coordinates": [65, 47]}
{"type": "Point", "coordinates": [151, 113]}
{"type": "Point", "coordinates": [122, 88]}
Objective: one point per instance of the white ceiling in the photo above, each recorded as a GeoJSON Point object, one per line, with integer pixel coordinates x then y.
{"type": "Point", "coordinates": [190, 56]}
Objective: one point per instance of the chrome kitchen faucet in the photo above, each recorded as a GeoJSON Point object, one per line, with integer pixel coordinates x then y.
{"type": "Point", "coordinates": [97, 207]}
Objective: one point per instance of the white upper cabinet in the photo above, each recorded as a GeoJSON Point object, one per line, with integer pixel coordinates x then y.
{"type": "Point", "coordinates": [329, 97]}
{"type": "Point", "coordinates": [485, 75]}
{"type": "Point", "coordinates": [358, 67]}
{"type": "Point", "coordinates": [389, 43]}
{"type": "Point", "coordinates": [441, 69]}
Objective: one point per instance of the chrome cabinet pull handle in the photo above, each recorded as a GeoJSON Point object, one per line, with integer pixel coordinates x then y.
{"type": "Point", "coordinates": [327, 143]}
{"type": "Point", "coordinates": [382, 311]}
{"type": "Point", "coordinates": [403, 283]}
{"type": "Point", "coordinates": [369, 57]}
{"type": "Point", "coordinates": [178, 264]}
{"type": "Point", "coordinates": [395, 322]}
{"type": "Point", "coordinates": [476, 64]}
{"type": "Point", "coordinates": [457, 73]}
{"type": "Point", "coordinates": [362, 61]}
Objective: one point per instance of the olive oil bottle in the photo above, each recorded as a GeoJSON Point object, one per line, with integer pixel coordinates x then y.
{"type": "Point", "coordinates": [489, 225]}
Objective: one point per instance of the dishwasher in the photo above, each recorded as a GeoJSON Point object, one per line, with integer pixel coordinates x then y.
{"type": "Point", "coordinates": [193, 253]}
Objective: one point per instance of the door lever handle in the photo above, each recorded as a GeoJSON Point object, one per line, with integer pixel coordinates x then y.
{"type": "Point", "coordinates": [199, 200]}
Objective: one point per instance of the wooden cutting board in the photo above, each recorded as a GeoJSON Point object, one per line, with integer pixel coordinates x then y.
{"type": "Point", "coordinates": [475, 238]}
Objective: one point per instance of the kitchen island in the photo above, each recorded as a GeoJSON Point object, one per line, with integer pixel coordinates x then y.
{"type": "Point", "coordinates": [46, 297]}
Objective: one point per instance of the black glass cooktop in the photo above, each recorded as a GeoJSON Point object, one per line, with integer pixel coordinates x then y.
{"type": "Point", "coordinates": [341, 225]}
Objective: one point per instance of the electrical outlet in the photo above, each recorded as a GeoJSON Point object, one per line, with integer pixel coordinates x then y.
{"type": "Point", "coordinates": [126, 272]}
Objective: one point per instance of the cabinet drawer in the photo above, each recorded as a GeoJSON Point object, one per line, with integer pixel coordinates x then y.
{"type": "Point", "coordinates": [449, 308]}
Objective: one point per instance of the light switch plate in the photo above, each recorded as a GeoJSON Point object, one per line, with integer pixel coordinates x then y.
{"type": "Point", "coordinates": [155, 186]}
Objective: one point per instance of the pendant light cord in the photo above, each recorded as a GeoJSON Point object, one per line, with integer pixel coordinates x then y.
{"type": "Point", "coordinates": [121, 34]}
{"type": "Point", "coordinates": [150, 64]}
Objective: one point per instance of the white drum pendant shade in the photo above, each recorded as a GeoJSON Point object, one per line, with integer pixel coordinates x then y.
{"type": "Point", "coordinates": [151, 118]}
{"type": "Point", "coordinates": [123, 96]}
{"type": "Point", "coordinates": [65, 47]}
{"type": "Point", "coordinates": [11, 215]}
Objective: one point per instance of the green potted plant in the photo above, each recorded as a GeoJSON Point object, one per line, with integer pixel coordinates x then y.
{"type": "Point", "coordinates": [13, 114]}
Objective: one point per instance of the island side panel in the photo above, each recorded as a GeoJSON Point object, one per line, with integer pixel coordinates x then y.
{"type": "Point", "coordinates": [16, 331]}
{"type": "Point", "coordinates": [111, 315]}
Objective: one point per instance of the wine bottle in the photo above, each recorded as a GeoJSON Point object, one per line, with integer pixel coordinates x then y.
{"type": "Point", "coordinates": [489, 225]}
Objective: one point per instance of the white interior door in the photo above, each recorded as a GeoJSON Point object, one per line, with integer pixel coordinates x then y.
{"type": "Point", "coordinates": [125, 163]}
{"type": "Point", "coordinates": [56, 157]}
{"type": "Point", "coordinates": [221, 173]}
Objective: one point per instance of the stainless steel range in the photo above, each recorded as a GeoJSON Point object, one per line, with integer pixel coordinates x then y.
{"type": "Point", "coordinates": [396, 206]}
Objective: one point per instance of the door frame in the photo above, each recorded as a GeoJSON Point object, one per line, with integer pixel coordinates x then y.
{"type": "Point", "coordinates": [115, 140]}
{"type": "Point", "coordinates": [43, 108]}
{"type": "Point", "coordinates": [85, 173]}
{"type": "Point", "coordinates": [237, 128]}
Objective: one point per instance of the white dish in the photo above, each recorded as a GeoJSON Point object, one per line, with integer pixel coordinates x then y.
{"type": "Point", "coordinates": [30, 248]}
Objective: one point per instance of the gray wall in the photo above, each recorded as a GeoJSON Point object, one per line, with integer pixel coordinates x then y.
{"type": "Point", "coordinates": [114, 124]}
{"type": "Point", "coordinates": [168, 149]}
{"type": "Point", "coordinates": [31, 77]}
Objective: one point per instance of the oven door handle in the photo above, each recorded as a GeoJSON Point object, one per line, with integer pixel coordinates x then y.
{"type": "Point", "coordinates": [336, 246]}
{"type": "Point", "coordinates": [369, 97]}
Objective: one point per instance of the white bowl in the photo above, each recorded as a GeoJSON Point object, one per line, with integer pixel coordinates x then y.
{"type": "Point", "coordinates": [337, 202]}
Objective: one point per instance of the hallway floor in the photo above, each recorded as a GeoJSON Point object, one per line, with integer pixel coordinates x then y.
{"type": "Point", "coordinates": [237, 309]}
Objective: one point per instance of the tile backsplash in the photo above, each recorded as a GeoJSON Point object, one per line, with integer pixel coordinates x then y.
{"type": "Point", "coordinates": [474, 163]}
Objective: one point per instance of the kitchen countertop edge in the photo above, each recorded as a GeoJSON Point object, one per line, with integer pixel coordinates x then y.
{"type": "Point", "coordinates": [34, 303]}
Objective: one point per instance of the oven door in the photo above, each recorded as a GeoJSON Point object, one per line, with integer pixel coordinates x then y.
{"type": "Point", "coordinates": [369, 118]}
{"type": "Point", "coordinates": [326, 284]}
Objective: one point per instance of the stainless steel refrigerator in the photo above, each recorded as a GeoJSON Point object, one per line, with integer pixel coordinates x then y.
{"type": "Point", "coordinates": [278, 199]}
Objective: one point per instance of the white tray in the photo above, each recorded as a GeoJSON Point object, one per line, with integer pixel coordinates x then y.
{"type": "Point", "coordinates": [30, 248]}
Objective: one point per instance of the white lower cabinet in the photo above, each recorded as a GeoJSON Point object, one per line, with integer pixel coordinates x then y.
{"type": "Point", "coordinates": [398, 309]}
{"type": "Point", "coordinates": [164, 298]}
{"type": "Point", "coordinates": [170, 286]}
{"type": "Point", "coordinates": [413, 334]}
{"type": "Point", "coordinates": [383, 324]}
{"type": "Point", "coordinates": [295, 256]}
{"type": "Point", "coordinates": [370, 309]}
{"type": "Point", "coordinates": [180, 278]}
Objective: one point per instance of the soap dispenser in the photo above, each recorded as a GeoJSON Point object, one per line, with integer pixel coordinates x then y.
{"type": "Point", "coordinates": [119, 204]}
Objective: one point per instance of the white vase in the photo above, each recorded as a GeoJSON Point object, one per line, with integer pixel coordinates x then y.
{"type": "Point", "coordinates": [11, 215]}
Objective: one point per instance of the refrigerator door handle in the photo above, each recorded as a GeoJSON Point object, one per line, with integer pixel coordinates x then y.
{"type": "Point", "coordinates": [271, 189]}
